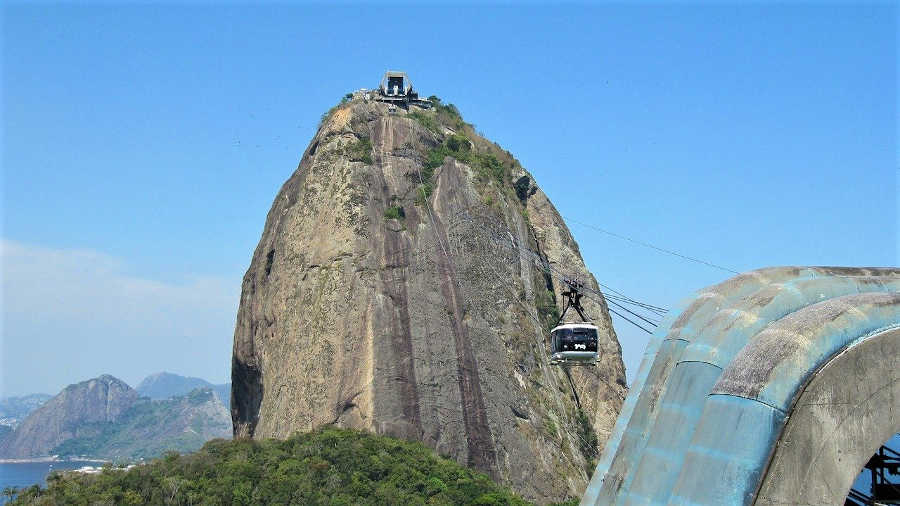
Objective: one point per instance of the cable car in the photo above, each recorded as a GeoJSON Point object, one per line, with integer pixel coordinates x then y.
{"type": "Point", "coordinates": [573, 343]}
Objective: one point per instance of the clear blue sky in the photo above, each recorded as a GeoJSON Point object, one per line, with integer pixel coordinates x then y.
{"type": "Point", "coordinates": [143, 145]}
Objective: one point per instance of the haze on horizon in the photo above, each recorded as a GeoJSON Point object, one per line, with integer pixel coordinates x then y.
{"type": "Point", "coordinates": [142, 147]}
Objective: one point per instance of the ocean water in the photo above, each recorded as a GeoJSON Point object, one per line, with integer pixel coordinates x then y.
{"type": "Point", "coordinates": [27, 474]}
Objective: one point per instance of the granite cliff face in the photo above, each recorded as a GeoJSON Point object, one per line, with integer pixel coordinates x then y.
{"type": "Point", "coordinates": [384, 295]}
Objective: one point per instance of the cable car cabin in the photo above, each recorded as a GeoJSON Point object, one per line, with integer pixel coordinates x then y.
{"type": "Point", "coordinates": [574, 343]}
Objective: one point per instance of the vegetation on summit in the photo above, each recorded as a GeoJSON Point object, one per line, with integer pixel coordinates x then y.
{"type": "Point", "coordinates": [492, 165]}
{"type": "Point", "coordinates": [328, 466]}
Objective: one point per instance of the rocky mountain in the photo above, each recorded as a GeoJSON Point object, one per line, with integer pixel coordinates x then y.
{"type": "Point", "coordinates": [105, 418]}
{"type": "Point", "coordinates": [64, 416]}
{"type": "Point", "coordinates": [164, 385]}
{"type": "Point", "coordinates": [14, 409]}
{"type": "Point", "coordinates": [383, 295]}
{"type": "Point", "coordinates": [150, 428]}
{"type": "Point", "coordinates": [223, 393]}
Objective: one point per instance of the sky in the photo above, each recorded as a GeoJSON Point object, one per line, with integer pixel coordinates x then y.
{"type": "Point", "coordinates": [143, 144]}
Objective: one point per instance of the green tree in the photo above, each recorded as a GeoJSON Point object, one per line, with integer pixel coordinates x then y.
{"type": "Point", "coordinates": [327, 466]}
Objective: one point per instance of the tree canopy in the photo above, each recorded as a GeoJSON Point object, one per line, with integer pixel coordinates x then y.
{"type": "Point", "coordinates": [328, 466]}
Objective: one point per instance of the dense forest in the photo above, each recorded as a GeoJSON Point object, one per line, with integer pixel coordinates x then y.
{"type": "Point", "coordinates": [329, 466]}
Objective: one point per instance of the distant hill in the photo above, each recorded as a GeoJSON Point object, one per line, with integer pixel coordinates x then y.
{"type": "Point", "coordinates": [14, 409]}
{"type": "Point", "coordinates": [164, 385]}
{"type": "Point", "coordinates": [68, 415]}
{"type": "Point", "coordinates": [105, 418]}
{"type": "Point", "coordinates": [150, 428]}
{"type": "Point", "coordinates": [328, 466]}
{"type": "Point", "coordinates": [223, 392]}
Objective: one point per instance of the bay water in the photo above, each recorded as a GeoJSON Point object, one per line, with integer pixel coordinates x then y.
{"type": "Point", "coordinates": [26, 474]}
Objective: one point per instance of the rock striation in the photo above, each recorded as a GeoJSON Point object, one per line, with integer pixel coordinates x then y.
{"type": "Point", "coordinates": [384, 295]}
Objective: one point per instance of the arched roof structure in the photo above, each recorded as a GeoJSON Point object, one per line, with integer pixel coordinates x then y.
{"type": "Point", "coordinates": [773, 387]}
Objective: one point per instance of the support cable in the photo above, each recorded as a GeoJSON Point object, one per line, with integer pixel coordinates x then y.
{"type": "Point", "coordinates": [631, 312]}
{"type": "Point", "coordinates": [629, 321]}
{"type": "Point", "coordinates": [617, 298]}
{"type": "Point", "coordinates": [651, 246]}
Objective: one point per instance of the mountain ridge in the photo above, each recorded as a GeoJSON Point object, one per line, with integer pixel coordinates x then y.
{"type": "Point", "coordinates": [14, 409]}
{"type": "Point", "coordinates": [101, 399]}
{"type": "Point", "coordinates": [103, 417]}
{"type": "Point", "coordinates": [165, 385]}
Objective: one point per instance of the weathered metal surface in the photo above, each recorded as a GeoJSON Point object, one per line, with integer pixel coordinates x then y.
{"type": "Point", "coordinates": [780, 359]}
{"type": "Point", "coordinates": [720, 468]}
{"type": "Point", "coordinates": [665, 347]}
{"type": "Point", "coordinates": [771, 330]}
{"type": "Point", "coordinates": [630, 440]}
{"type": "Point", "coordinates": [661, 460]}
{"type": "Point", "coordinates": [849, 407]}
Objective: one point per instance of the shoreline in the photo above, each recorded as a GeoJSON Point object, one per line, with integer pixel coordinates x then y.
{"type": "Point", "coordinates": [50, 460]}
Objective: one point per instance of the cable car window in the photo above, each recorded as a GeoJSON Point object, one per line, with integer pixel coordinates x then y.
{"type": "Point", "coordinates": [576, 333]}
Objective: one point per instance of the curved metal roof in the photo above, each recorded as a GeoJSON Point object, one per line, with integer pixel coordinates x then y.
{"type": "Point", "coordinates": [720, 375]}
